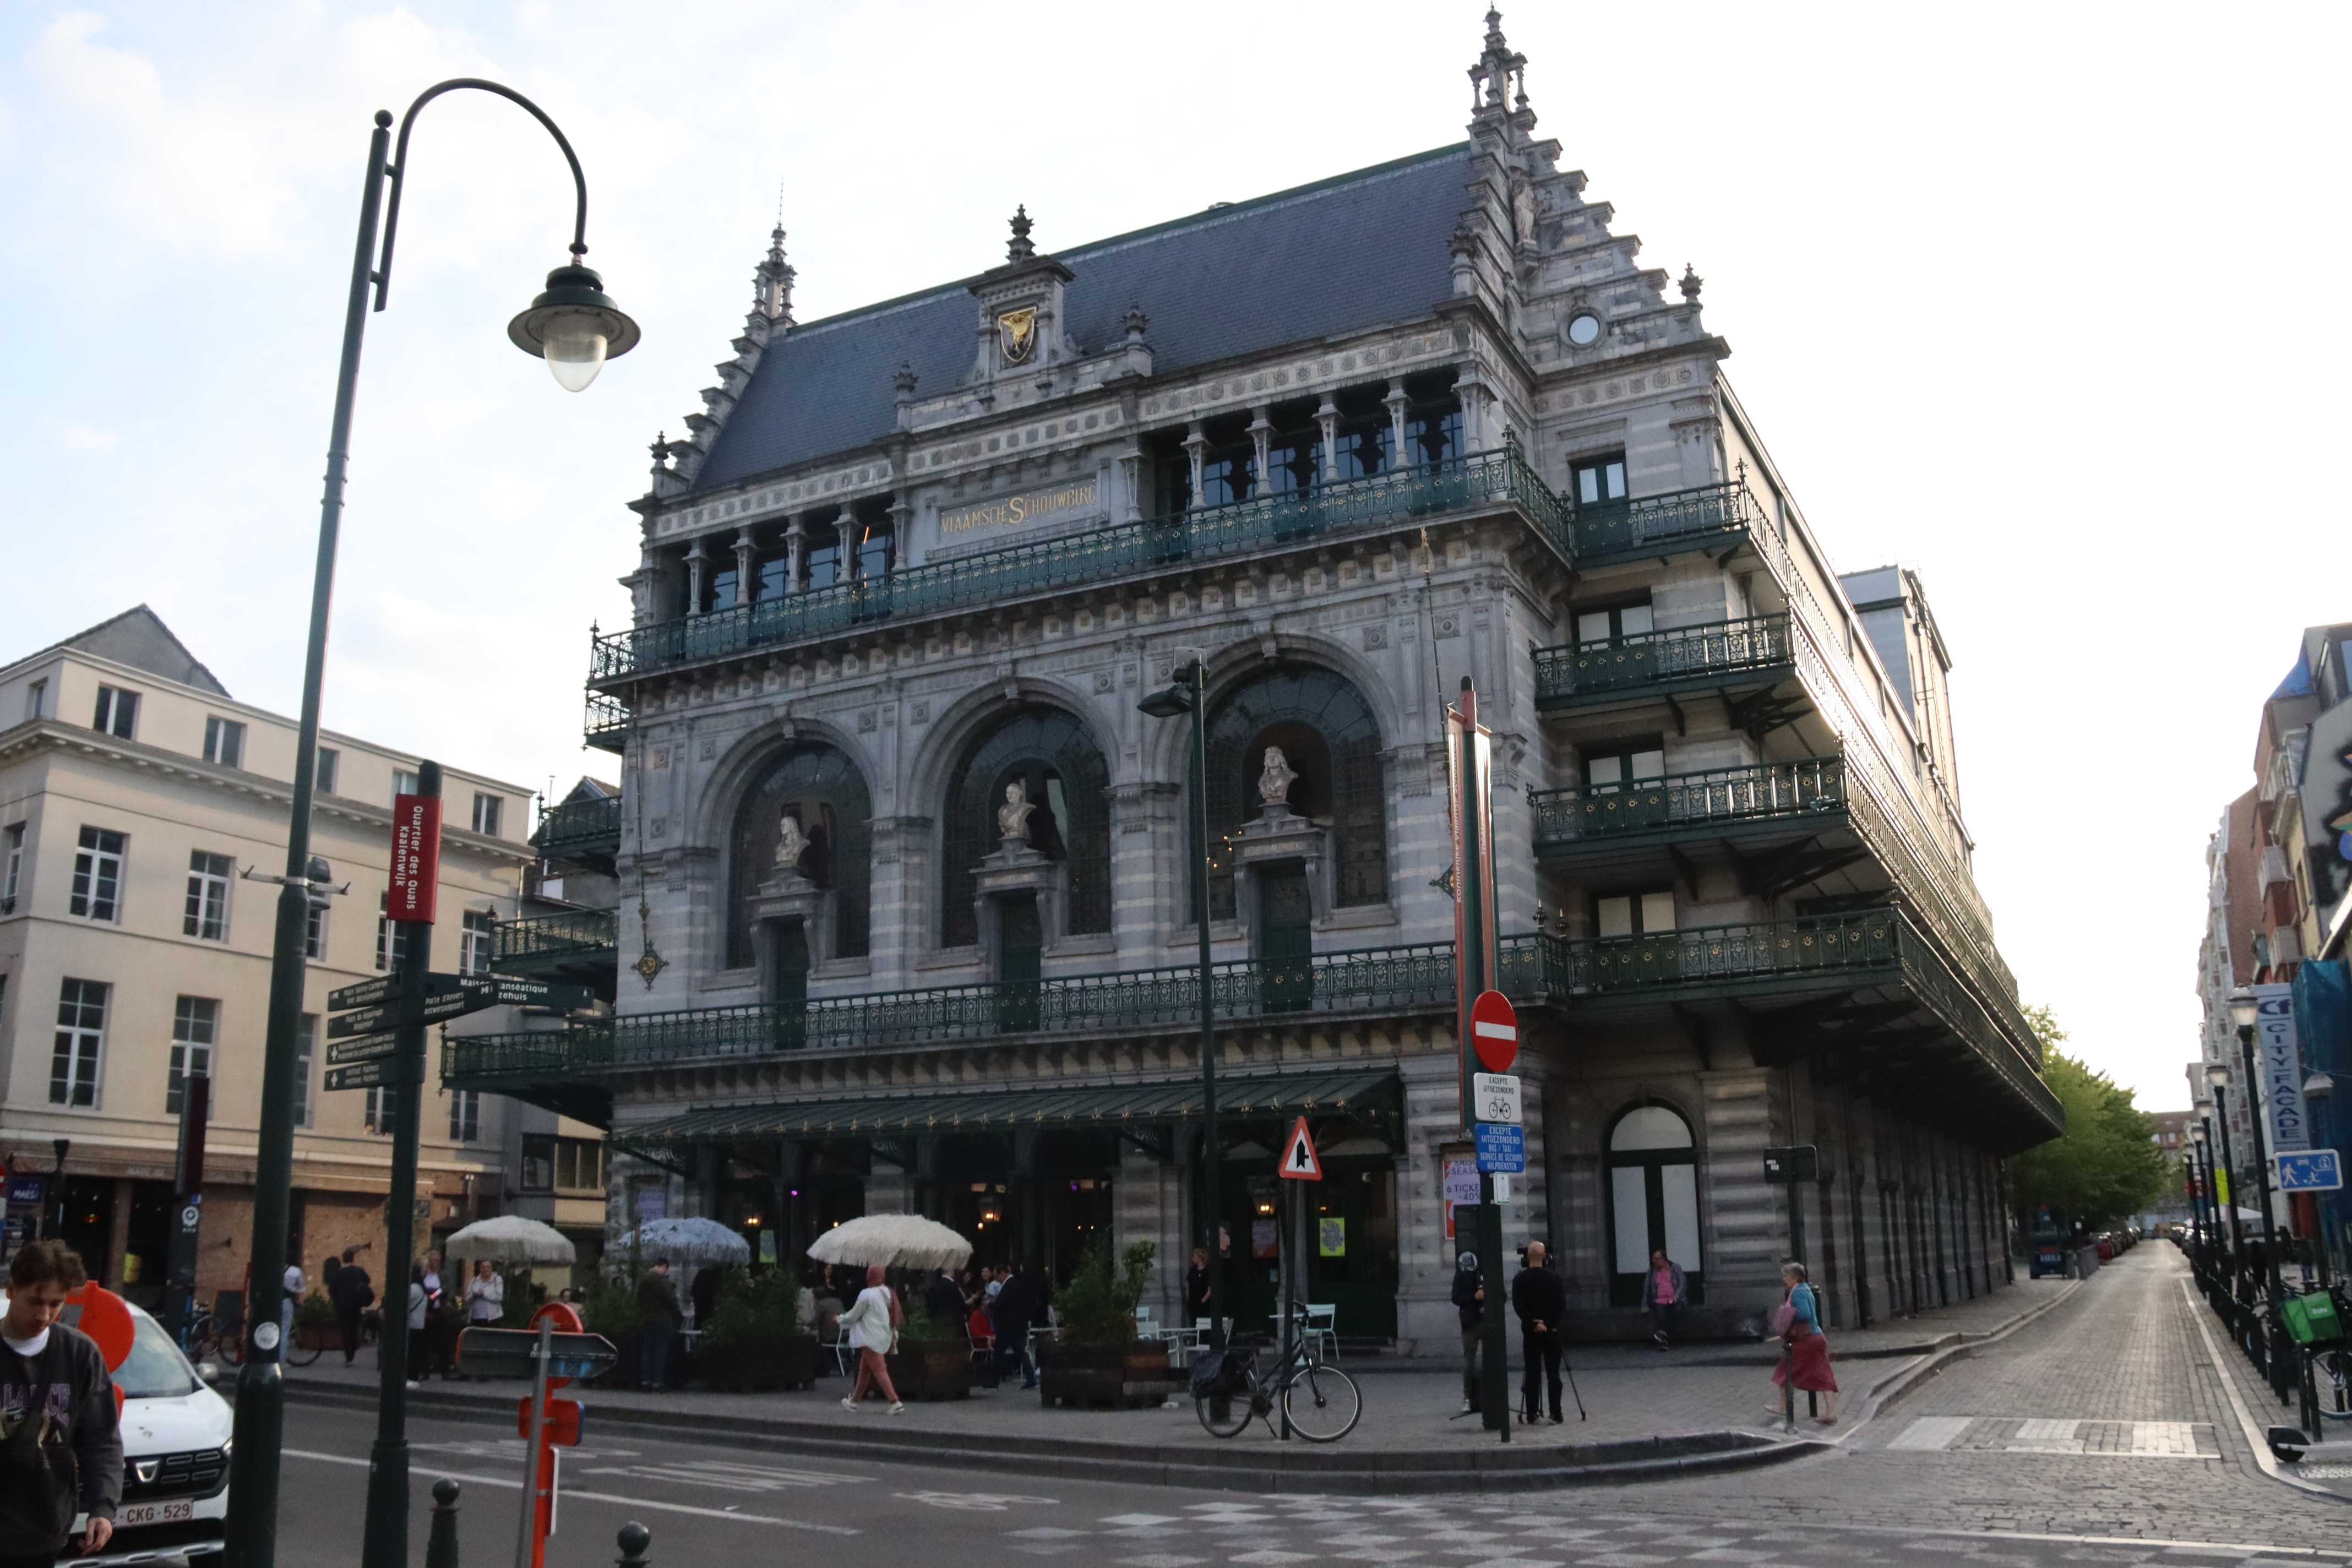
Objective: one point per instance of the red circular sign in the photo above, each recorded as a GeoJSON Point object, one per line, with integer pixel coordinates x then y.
{"type": "Point", "coordinates": [103, 1316]}
{"type": "Point", "coordinates": [565, 1317]}
{"type": "Point", "coordinates": [1493, 1031]}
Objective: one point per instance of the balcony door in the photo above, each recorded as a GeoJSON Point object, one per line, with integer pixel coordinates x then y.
{"type": "Point", "coordinates": [1653, 1201]}
{"type": "Point", "coordinates": [1622, 788]}
{"type": "Point", "coordinates": [1020, 962]}
{"type": "Point", "coordinates": [1286, 938]}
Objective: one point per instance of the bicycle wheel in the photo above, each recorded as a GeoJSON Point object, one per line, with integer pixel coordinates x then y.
{"type": "Point", "coordinates": [1237, 1408]}
{"type": "Point", "coordinates": [2331, 1374]}
{"type": "Point", "coordinates": [226, 1343]}
{"type": "Point", "coordinates": [296, 1356]}
{"type": "Point", "coordinates": [1328, 1407]}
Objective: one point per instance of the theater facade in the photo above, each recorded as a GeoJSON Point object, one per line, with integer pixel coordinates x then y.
{"type": "Point", "coordinates": [907, 920]}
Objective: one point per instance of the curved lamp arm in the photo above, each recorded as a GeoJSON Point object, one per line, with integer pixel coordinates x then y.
{"type": "Point", "coordinates": [399, 170]}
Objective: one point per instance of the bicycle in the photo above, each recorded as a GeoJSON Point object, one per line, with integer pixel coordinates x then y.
{"type": "Point", "coordinates": [1328, 1411]}
{"type": "Point", "coordinates": [209, 1334]}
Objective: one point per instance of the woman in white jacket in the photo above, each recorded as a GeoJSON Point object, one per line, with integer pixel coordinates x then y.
{"type": "Point", "coordinates": [872, 1324]}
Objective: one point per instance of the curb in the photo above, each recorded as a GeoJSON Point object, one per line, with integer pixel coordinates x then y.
{"type": "Point", "coordinates": [1338, 1471]}
{"type": "Point", "coordinates": [2256, 1439]}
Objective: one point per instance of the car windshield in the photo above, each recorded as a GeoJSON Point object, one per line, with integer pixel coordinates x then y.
{"type": "Point", "coordinates": [155, 1369]}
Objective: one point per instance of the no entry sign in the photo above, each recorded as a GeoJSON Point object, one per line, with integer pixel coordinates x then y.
{"type": "Point", "coordinates": [1494, 1031]}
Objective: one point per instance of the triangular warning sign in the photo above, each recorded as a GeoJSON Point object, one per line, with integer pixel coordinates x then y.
{"type": "Point", "coordinates": [1299, 1163]}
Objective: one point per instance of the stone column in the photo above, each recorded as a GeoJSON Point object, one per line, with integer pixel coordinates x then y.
{"type": "Point", "coordinates": [1261, 433]}
{"type": "Point", "coordinates": [902, 521]}
{"type": "Point", "coordinates": [1195, 445]}
{"type": "Point", "coordinates": [1146, 854]}
{"type": "Point", "coordinates": [744, 565]}
{"type": "Point", "coordinates": [1131, 479]}
{"type": "Point", "coordinates": [1395, 402]}
{"type": "Point", "coordinates": [1327, 417]}
{"type": "Point", "coordinates": [695, 560]}
{"type": "Point", "coordinates": [795, 544]}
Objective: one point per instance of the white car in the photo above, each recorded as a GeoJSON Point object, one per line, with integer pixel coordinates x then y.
{"type": "Point", "coordinates": [175, 1443]}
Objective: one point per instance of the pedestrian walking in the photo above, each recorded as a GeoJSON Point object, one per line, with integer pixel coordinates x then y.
{"type": "Point", "coordinates": [873, 1322]}
{"type": "Point", "coordinates": [1020, 1307]}
{"type": "Point", "coordinates": [1664, 1291]}
{"type": "Point", "coordinates": [1470, 1302]}
{"type": "Point", "coordinates": [1806, 1362]}
{"type": "Point", "coordinates": [420, 1306]}
{"type": "Point", "coordinates": [60, 1446]}
{"type": "Point", "coordinates": [943, 1300]}
{"type": "Point", "coordinates": [440, 1321]}
{"type": "Point", "coordinates": [1541, 1301]}
{"type": "Point", "coordinates": [486, 1295]}
{"type": "Point", "coordinates": [351, 1291]}
{"type": "Point", "coordinates": [292, 1282]}
{"type": "Point", "coordinates": [1196, 1288]}
{"type": "Point", "coordinates": [657, 1307]}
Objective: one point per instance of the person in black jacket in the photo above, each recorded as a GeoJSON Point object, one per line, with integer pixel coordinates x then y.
{"type": "Point", "coordinates": [351, 1290]}
{"type": "Point", "coordinates": [1020, 1307]}
{"type": "Point", "coordinates": [1541, 1302]}
{"type": "Point", "coordinates": [1470, 1299]}
{"type": "Point", "coordinates": [60, 1446]}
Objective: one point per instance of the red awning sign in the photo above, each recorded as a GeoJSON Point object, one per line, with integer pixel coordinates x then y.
{"type": "Point", "coordinates": [1494, 1031]}
{"type": "Point", "coordinates": [1299, 1161]}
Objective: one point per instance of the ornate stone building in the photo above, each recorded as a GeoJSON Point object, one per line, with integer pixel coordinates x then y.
{"type": "Point", "coordinates": [904, 870]}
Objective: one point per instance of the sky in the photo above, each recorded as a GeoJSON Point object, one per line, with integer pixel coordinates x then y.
{"type": "Point", "coordinates": [2020, 295]}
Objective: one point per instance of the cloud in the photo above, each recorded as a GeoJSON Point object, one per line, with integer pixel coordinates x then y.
{"type": "Point", "coordinates": [80, 437]}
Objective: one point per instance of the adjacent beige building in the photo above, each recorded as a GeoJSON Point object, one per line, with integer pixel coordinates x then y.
{"type": "Point", "coordinates": [135, 793]}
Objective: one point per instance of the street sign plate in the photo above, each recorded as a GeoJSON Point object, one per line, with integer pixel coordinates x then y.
{"type": "Point", "coordinates": [2309, 1170]}
{"type": "Point", "coordinates": [415, 859]}
{"type": "Point", "coordinates": [511, 991]}
{"type": "Point", "coordinates": [1501, 1148]}
{"type": "Point", "coordinates": [366, 1048]}
{"type": "Point", "coordinates": [1494, 1031]}
{"type": "Point", "coordinates": [1461, 1181]}
{"type": "Point", "coordinates": [384, 988]}
{"type": "Point", "coordinates": [1299, 1163]}
{"type": "Point", "coordinates": [383, 1072]}
{"type": "Point", "coordinates": [1801, 1163]}
{"type": "Point", "coordinates": [562, 1428]}
{"type": "Point", "coordinates": [402, 1011]}
{"type": "Point", "coordinates": [1494, 1097]}
{"type": "Point", "coordinates": [510, 1352]}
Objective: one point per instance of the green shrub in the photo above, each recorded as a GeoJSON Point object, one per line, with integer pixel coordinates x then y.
{"type": "Point", "coordinates": [753, 1310]}
{"type": "Point", "coordinates": [922, 1329]}
{"type": "Point", "coordinates": [1099, 1307]}
{"type": "Point", "coordinates": [314, 1311]}
{"type": "Point", "coordinates": [611, 1311]}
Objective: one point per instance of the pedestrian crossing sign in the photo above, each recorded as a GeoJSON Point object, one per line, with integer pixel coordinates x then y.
{"type": "Point", "coordinates": [1299, 1163]}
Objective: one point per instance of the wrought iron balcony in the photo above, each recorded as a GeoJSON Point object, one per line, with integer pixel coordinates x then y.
{"type": "Point", "coordinates": [1089, 559]}
{"type": "Point", "coordinates": [1647, 525]}
{"type": "Point", "coordinates": [526, 946]}
{"type": "Point", "coordinates": [1718, 958]}
{"type": "Point", "coordinates": [605, 725]}
{"type": "Point", "coordinates": [1809, 794]}
{"type": "Point", "coordinates": [1746, 652]}
{"type": "Point", "coordinates": [581, 830]}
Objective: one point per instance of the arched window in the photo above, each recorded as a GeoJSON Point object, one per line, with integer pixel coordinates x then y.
{"type": "Point", "coordinates": [1051, 754]}
{"type": "Point", "coordinates": [1326, 731]}
{"type": "Point", "coordinates": [822, 790]}
{"type": "Point", "coordinates": [1652, 1200]}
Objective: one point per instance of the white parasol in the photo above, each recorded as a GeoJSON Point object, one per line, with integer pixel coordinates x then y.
{"type": "Point", "coordinates": [690, 1244]}
{"type": "Point", "coordinates": [510, 1239]}
{"type": "Point", "coordinates": [904, 1240]}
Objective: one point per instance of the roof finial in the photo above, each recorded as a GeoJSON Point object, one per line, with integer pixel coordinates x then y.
{"type": "Point", "coordinates": [1492, 78]}
{"type": "Point", "coordinates": [771, 281]}
{"type": "Point", "coordinates": [1690, 283]}
{"type": "Point", "coordinates": [1019, 248]}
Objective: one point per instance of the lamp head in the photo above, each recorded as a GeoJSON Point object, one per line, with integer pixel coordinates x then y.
{"type": "Point", "coordinates": [2218, 1076]}
{"type": "Point", "coordinates": [575, 326]}
{"type": "Point", "coordinates": [2318, 1086]}
{"type": "Point", "coordinates": [2244, 1010]}
{"type": "Point", "coordinates": [1171, 703]}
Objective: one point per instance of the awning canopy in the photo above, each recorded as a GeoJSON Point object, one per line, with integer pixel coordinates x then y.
{"type": "Point", "coordinates": [1373, 1098]}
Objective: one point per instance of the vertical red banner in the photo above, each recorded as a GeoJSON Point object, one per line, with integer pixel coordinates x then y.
{"type": "Point", "coordinates": [415, 857]}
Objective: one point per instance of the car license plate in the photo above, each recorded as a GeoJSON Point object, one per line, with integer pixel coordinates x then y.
{"type": "Point", "coordinates": [155, 1514]}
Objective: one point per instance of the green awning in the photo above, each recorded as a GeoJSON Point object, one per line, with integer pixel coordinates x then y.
{"type": "Point", "coordinates": [1373, 1098]}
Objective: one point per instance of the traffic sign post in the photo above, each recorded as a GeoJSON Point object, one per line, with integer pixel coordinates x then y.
{"type": "Point", "coordinates": [1501, 1148]}
{"type": "Point", "coordinates": [1470, 786]}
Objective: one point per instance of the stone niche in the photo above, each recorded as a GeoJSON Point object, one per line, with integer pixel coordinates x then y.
{"type": "Point", "coordinates": [791, 911]}
{"type": "Point", "coordinates": [1018, 867]}
{"type": "Point", "coordinates": [1276, 838]}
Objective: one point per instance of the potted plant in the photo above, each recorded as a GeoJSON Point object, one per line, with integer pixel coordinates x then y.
{"type": "Point", "coordinates": [1097, 1358]}
{"type": "Point", "coordinates": [755, 1339]}
{"type": "Point", "coordinates": [933, 1359]}
{"type": "Point", "coordinates": [316, 1327]}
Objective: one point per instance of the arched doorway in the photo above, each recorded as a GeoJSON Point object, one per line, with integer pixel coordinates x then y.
{"type": "Point", "coordinates": [1062, 773]}
{"type": "Point", "coordinates": [820, 789]}
{"type": "Point", "coordinates": [1652, 1200]}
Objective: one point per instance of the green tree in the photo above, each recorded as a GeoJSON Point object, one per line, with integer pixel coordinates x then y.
{"type": "Point", "coordinates": [2106, 1165]}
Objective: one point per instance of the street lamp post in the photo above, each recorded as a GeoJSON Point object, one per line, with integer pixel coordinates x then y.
{"type": "Point", "coordinates": [2218, 1077]}
{"type": "Point", "coordinates": [575, 328]}
{"type": "Point", "coordinates": [1189, 694]}
{"type": "Point", "coordinates": [2245, 1011]}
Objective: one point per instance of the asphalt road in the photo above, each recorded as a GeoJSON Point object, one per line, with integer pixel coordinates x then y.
{"type": "Point", "coordinates": [2096, 1434]}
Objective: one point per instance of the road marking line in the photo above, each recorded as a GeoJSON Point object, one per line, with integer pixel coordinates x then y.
{"type": "Point", "coordinates": [1932, 1434]}
{"type": "Point", "coordinates": [605, 1496]}
{"type": "Point", "coordinates": [2165, 1439]}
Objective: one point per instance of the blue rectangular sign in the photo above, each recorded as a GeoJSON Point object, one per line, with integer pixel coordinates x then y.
{"type": "Point", "coordinates": [25, 1189]}
{"type": "Point", "coordinates": [2309, 1170]}
{"type": "Point", "coordinates": [1502, 1147]}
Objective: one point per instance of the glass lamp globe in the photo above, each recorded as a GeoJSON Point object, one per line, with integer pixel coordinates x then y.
{"type": "Point", "coordinates": [575, 326]}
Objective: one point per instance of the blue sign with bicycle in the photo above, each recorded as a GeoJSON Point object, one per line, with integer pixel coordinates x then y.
{"type": "Point", "coordinates": [1502, 1147]}
{"type": "Point", "coordinates": [2309, 1170]}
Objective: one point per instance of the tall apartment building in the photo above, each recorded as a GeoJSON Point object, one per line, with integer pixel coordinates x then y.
{"type": "Point", "coordinates": [135, 793]}
{"type": "Point", "coordinates": [904, 874]}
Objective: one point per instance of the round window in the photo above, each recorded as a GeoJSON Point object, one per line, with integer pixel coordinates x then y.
{"type": "Point", "coordinates": [1584, 329]}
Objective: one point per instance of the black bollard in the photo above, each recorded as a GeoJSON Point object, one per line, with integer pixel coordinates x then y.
{"type": "Point", "coordinates": [633, 1538]}
{"type": "Point", "coordinates": [441, 1544]}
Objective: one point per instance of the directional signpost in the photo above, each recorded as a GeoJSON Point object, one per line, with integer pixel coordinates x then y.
{"type": "Point", "coordinates": [2309, 1170]}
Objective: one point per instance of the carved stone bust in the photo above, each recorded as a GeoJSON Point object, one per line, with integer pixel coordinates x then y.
{"type": "Point", "coordinates": [1273, 784]}
{"type": "Point", "coordinates": [791, 844]}
{"type": "Point", "coordinates": [1012, 816]}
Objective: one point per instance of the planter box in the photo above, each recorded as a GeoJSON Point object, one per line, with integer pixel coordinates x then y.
{"type": "Point", "coordinates": [1129, 1376]}
{"type": "Point", "coordinates": [931, 1372]}
{"type": "Point", "coordinates": [319, 1336]}
{"type": "Point", "coordinates": [781, 1363]}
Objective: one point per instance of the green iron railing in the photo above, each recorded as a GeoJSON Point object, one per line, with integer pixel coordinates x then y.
{"type": "Point", "coordinates": [1813, 787]}
{"type": "Point", "coordinates": [605, 724]}
{"type": "Point", "coordinates": [581, 828]}
{"type": "Point", "coordinates": [1705, 955]}
{"type": "Point", "coordinates": [540, 1056]}
{"type": "Point", "coordinates": [575, 933]}
{"type": "Point", "coordinates": [1089, 559]}
{"type": "Point", "coordinates": [1628, 664]}
{"type": "Point", "coordinates": [1678, 520]}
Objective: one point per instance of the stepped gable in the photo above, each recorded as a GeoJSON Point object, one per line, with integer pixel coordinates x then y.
{"type": "Point", "coordinates": [1335, 257]}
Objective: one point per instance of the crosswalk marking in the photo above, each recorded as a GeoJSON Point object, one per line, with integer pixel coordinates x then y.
{"type": "Point", "coordinates": [1932, 1432]}
{"type": "Point", "coordinates": [2050, 1434]}
{"type": "Point", "coordinates": [2167, 1439]}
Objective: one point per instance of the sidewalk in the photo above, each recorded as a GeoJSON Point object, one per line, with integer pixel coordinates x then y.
{"type": "Point", "coordinates": [1649, 1414]}
{"type": "Point", "coordinates": [2257, 1409]}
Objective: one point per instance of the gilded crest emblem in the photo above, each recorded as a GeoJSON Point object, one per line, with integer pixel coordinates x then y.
{"type": "Point", "coordinates": [1016, 332]}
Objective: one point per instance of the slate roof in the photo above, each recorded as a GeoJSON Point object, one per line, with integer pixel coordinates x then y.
{"type": "Point", "coordinates": [1327, 258]}
{"type": "Point", "coordinates": [139, 638]}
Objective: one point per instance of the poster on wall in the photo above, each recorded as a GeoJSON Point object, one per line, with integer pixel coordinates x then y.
{"type": "Point", "coordinates": [2278, 1066]}
{"type": "Point", "coordinates": [1265, 1239]}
